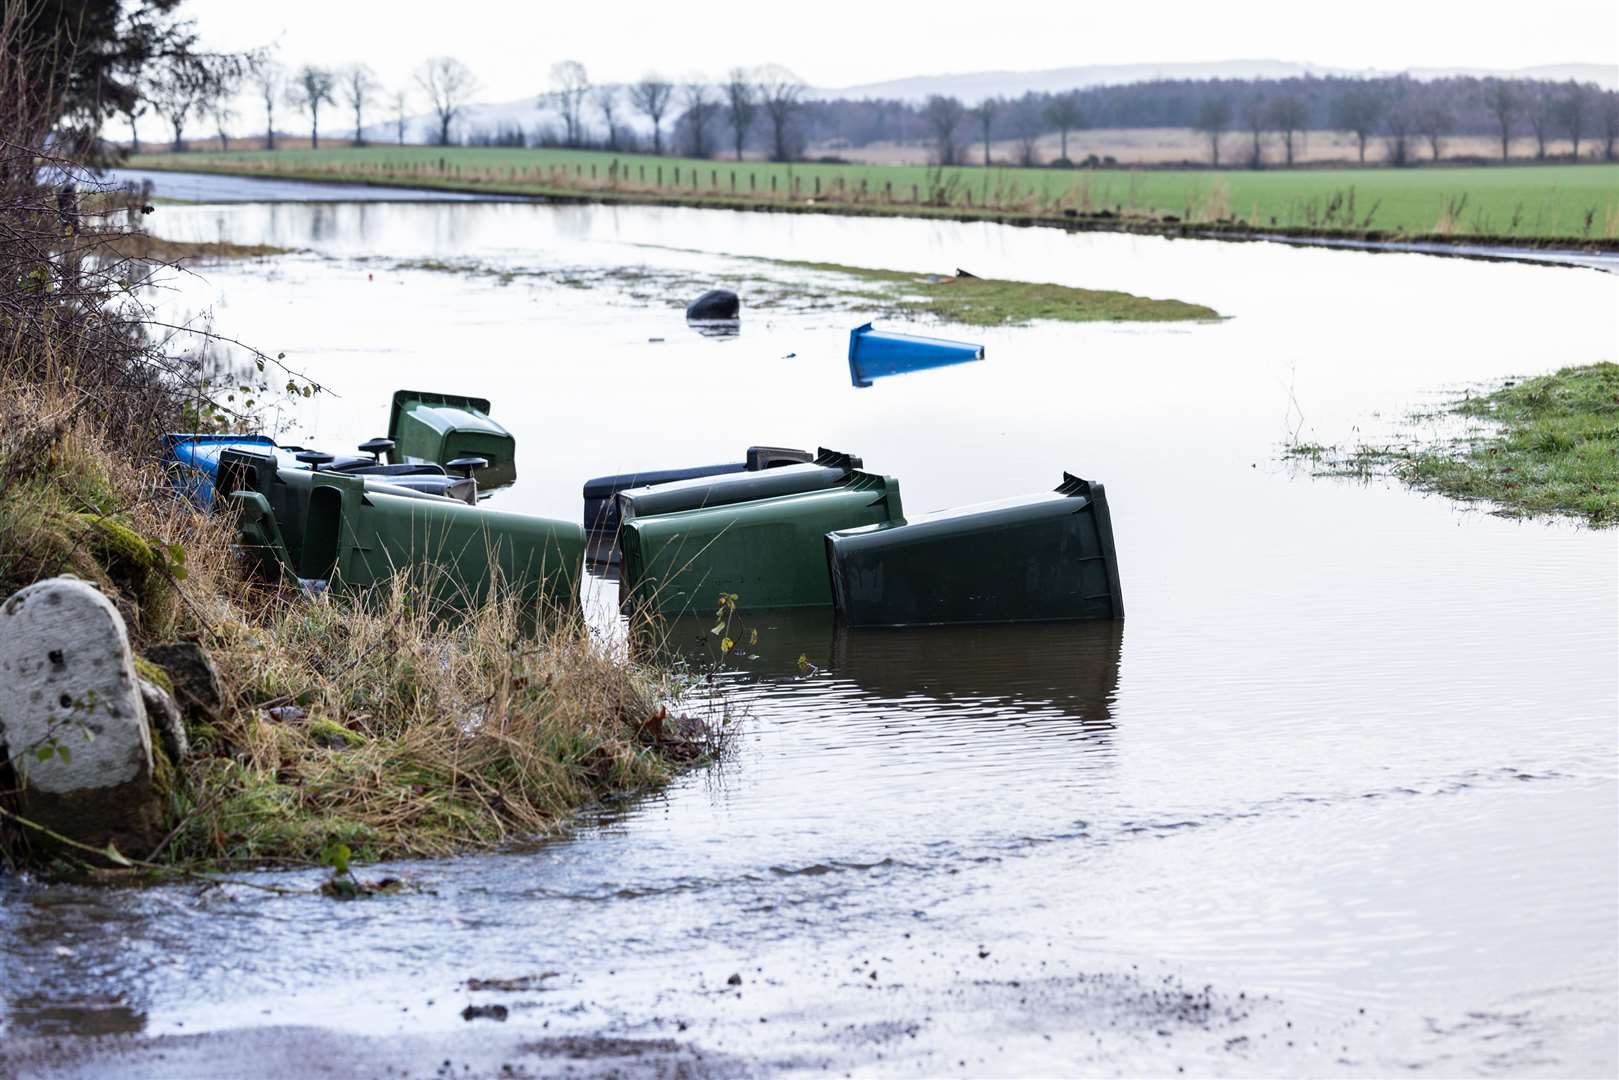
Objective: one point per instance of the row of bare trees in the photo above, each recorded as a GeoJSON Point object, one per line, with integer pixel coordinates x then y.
{"type": "Point", "coordinates": [184, 92]}
{"type": "Point", "coordinates": [707, 112]}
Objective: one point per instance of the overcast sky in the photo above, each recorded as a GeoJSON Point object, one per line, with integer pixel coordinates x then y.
{"type": "Point", "coordinates": [832, 43]}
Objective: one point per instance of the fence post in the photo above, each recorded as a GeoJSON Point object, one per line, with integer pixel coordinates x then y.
{"type": "Point", "coordinates": [888, 191]}
{"type": "Point", "coordinates": [914, 197]}
{"type": "Point", "coordinates": [772, 183]}
{"type": "Point", "coordinates": [677, 176]}
{"type": "Point", "coordinates": [753, 182]}
{"type": "Point", "coordinates": [817, 186]}
{"type": "Point", "coordinates": [733, 181]}
{"type": "Point", "coordinates": [660, 176]}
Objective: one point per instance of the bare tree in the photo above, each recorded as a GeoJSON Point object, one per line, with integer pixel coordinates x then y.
{"type": "Point", "coordinates": [1028, 123]}
{"type": "Point", "coordinates": [1608, 113]}
{"type": "Point", "coordinates": [401, 104]}
{"type": "Point", "coordinates": [1288, 115]}
{"type": "Point", "coordinates": [179, 89]}
{"type": "Point", "coordinates": [781, 93]}
{"type": "Point", "coordinates": [984, 114]}
{"type": "Point", "coordinates": [1539, 109]}
{"type": "Point", "coordinates": [741, 105]}
{"type": "Point", "coordinates": [1065, 115]}
{"type": "Point", "coordinates": [1435, 121]}
{"type": "Point", "coordinates": [1257, 115]}
{"type": "Point", "coordinates": [220, 111]}
{"type": "Point", "coordinates": [359, 88]}
{"type": "Point", "coordinates": [1357, 112]}
{"type": "Point", "coordinates": [1399, 125]}
{"type": "Point", "coordinates": [448, 83]}
{"type": "Point", "coordinates": [1501, 99]}
{"type": "Point", "coordinates": [651, 96]}
{"type": "Point", "coordinates": [606, 99]}
{"type": "Point", "coordinates": [1212, 120]}
{"type": "Point", "coordinates": [943, 114]}
{"type": "Point", "coordinates": [311, 88]}
{"type": "Point", "coordinates": [1571, 109]}
{"type": "Point", "coordinates": [699, 114]}
{"type": "Point", "coordinates": [270, 79]}
{"type": "Point", "coordinates": [571, 89]}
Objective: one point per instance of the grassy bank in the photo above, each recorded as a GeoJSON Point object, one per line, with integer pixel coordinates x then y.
{"type": "Point", "coordinates": [1539, 446]}
{"type": "Point", "coordinates": [376, 724]}
{"type": "Point", "coordinates": [1568, 204]}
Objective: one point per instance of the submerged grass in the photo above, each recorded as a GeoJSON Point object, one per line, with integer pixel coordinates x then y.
{"type": "Point", "coordinates": [975, 301]}
{"type": "Point", "coordinates": [1547, 445]}
{"type": "Point", "coordinates": [969, 301]}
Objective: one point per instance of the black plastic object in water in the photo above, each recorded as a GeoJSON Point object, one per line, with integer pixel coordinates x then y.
{"type": "Point", "coordinates": [601, 509]}
{"type": "Point", "coordinates": [715, 304]}
{"type": "Point", "coordinates": [1038, 558]}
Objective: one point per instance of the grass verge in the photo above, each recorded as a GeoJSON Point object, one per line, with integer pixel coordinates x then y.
{"type": "Point", "coordinates": [1539, 205]}
{"type": "Point", "coordinates": [377, 724]}
{"type": "Point", "coordinates": [1547, 445]}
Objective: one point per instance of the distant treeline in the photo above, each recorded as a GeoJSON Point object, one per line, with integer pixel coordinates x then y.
{"type": "Point", "coordinates": [1388, 118]}
{"type": "Point", "coordinates": [1394, 112]}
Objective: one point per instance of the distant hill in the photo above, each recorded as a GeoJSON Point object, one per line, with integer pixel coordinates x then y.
{"type": "Point", "coordinates": [974, 86]}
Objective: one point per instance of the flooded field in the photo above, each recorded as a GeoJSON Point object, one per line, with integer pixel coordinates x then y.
{"type": "Point", "coordinates": [1341, 796]}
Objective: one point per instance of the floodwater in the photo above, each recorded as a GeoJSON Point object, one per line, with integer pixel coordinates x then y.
{"type": "Point", "coordinates": [1340, 796]}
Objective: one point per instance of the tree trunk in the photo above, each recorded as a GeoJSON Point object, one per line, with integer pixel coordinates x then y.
{"type": "Point", "coordinates": [1065, 144]}
{"type": "Point", "coordinates": [269, 127]}
{"type": "Point", "coordinates": [314, 131]}
{"type": "Point", "coordinates": [134, 137]}
{"type": "Point", "coordinates": [1361, 135]}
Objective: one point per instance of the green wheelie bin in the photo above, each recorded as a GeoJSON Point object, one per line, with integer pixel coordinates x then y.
{"type": "Point", "coordinates": [768, 553]}
{"type": "Point", "coordinates": [440, 429]}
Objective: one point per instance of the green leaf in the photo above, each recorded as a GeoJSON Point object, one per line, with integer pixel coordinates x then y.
{"type": "Point", "coordinates": [63, 753]}
{"type": "Point", "coordinates": [44, 752]}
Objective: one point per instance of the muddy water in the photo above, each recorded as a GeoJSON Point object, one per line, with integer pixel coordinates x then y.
{"type": "Point", "coordinates": [1340, 796]}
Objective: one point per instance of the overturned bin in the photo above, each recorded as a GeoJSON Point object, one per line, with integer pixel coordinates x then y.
{"type": "Point", "coordinates": [332, 527]}
{"type": "Point", "coordinates": [876, 354]}
{"type": "Point", "coordinates": [829, 468]}
{"type": "Point", "coordinates": [601, 504]}
{"type": "Point", "coordinates": [767, 553]}
{"type": "Point", "coordinates": [428, 428]}
{"type": "Point", "coordinates": [1037, 558]}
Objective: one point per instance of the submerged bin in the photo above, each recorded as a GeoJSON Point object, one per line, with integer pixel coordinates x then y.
{"type": "Point", "coordinates": [354, 534]}
{"type": "Point", "coordinates": [830, 467]}
{"type": "Point", "coordinates": [1033, 559]}
{"type": "Point", "coordinates": [440, 429]}
{"type": "Point", "coordinates": [601, 508]}
{"type": "Point", "coordinates": [874, 354]}
{"type": "Point", "coordinates": [769, 553]}
{"type": "Point", "coordinates": [193, 465]}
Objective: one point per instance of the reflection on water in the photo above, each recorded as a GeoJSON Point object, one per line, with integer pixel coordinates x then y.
{"type": "Point", "coordinates": [716, 328]}
{"type": "Point", "coordinates": [1051, 671]}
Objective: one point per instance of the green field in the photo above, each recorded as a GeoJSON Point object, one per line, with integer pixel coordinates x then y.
{"type": "Point", "coordinates": [1525, 204]}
